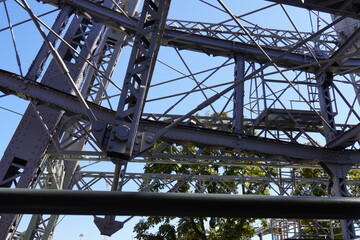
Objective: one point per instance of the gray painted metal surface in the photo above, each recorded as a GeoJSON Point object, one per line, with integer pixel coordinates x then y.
{"type": "Point", "coordinates": [274, 138]}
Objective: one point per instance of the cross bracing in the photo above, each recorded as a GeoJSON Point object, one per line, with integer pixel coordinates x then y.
{"type": "Point", "coordinates": [291, 105]}
{"type": "Point", "coordinates": [211, 45]}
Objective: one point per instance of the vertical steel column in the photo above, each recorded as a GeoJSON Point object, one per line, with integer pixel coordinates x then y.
{"type": "Point", "coordinates": [20, 164]}
{"type": "Point", "coordinates": [24, 158]}
{"type": "Point", "coordinates": [59, 25]}
{"type": "Point", "coordinates": [105, 58]}
{"type": "Point", "coordinates": [338, 188]}
{"type": "Point", "coordinates": [324, 82]}
{"type": "Point", "coordinates": [347, 36]}
{"type": "Point", "coordinates": [337, 172]}
{"type": "Point", "coordinates": [94, 87]}
{"type": "Point", "coordinates": [11, 166]}
{"type": "Point", "coordinates": [137, 80]}
{"type": "Point", "coordinates": [47, 225]}
{"type": "Point", "coordinates": [238, 122]}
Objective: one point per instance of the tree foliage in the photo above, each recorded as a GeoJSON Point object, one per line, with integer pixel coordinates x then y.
{"type": "Point", "coordinates": [194, 228]}
{"type": "Point", "coordinates": [201, 228]}
{"type": "Point", "coordinates": [189, 228]}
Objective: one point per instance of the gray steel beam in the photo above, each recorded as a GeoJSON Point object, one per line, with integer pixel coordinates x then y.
{"type": "Point", "coordinates": [272, 37]}
{"type": "Point", "coordinates": [209, 45]}
{"type": "Point", "coordinates": [225, 140]}
{"type": "Point", "coordinates": [326, 102]}
{"type": "Point", "coordinates": [38, 63]}
{"type": "Point", "coordinates": [30, 90]}
{"type": "Point", "coordinates": [138, 77]}
{"type": "Point", "coordinates": [14, 84]}
{"type": "Point", "coordinates": [340, 7]}
{"type": "Point", "coordinates": [169, 204]}
{"type": "Point", "coordinates": [285, 182]}
{"type": "Point", "coordinates": [338, 188]}
{"type": "Point", "coordinates": [239, 93]}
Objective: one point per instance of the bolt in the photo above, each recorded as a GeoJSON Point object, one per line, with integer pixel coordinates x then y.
{"type": "Point", "coordinates": [149, 139]}
{"type": "Point", "coordinates": [122, 132]}
{"type": "Point", "coordinates": [97, 128]}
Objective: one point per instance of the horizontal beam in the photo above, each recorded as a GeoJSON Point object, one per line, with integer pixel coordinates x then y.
{"type": "Point", "coordinates": [149, 177]}
{"type": "Point", "coordinates": [204, 178]}
{"type": "Point", "coordinates": [334, 7]}
{"type": "Point", "coordinates": [13, 84]}
{"type": "Point", "coordinates": [219, 47]}
{"type": "Point", "coordinates": [257, 145]}
{"type": "Point", "coordinates": [206, 44]}
{"type": "Point", "coordinates": [29, 201]}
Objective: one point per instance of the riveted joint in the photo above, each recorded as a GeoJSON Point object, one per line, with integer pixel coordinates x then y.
{"type": "Point", "coordinates": [122, 132]}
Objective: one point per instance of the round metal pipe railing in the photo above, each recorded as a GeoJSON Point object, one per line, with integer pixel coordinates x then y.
{"type": "Point", "coordinates": [29, 201]}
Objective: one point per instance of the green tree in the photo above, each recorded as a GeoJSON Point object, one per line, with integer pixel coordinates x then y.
{"type": "Point", "coordinates": [211, 228]}
{"type": "Point", "coordinates": [169, 228]}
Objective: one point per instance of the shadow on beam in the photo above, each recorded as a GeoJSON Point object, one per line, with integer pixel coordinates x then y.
{"type": "Point", "coordinates": [29, 201]}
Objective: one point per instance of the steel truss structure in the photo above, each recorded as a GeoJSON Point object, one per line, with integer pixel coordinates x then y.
{"type": "Point", "coordinates": [280, 106]}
